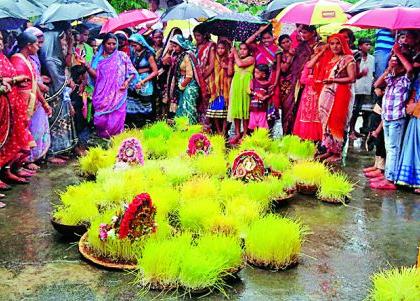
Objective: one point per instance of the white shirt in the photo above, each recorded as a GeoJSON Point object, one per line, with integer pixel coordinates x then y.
{"type": "Point", "coordinates": [363, 86]}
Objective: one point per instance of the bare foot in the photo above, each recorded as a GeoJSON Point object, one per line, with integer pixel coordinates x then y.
{"type": "Point", "coordinates": [4, 186]}
{"type": "Point", "coordinates": [369, 169]}
{"type": "Point", "coordinates": [32, 166]}
{"type": "Point", "coordinates": [56, 160]}
{"type": "Point", "coordinates": [14, 179]}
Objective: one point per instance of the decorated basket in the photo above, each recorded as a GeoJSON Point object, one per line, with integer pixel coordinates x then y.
{"type": "Point", "coordinates": [248, 166]}
{"type": "Point", "coordinates": [306, 189]}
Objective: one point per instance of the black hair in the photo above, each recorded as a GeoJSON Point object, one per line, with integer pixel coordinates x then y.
{"type": "Point", "coordinates": [350, 34]}
{"type": "Point", "coordinates": [119, 36]}
{"type": "Point", "coordinates": [364, 40]}
{"type": "Point", "coordinates": [77, 71]}
{"type": "Point", "coordinates": [25, 39]}
{"type": "Point", "coordinates": [283, 37]}
{"type": "Point", "coordinates": [247, 47]}
{"type": "Point", "coordinates": [109, 36]}
{"type": "Point", "coordinates": [268, 30]}
{"type": "Point", "coordinates": [90, 40]}
{"type": "Point", "coordinates": [155, 1]}
{"type": "Point", "coordinates": [310, 28]}
{"type": "Point", "coordinates": [156, 31]}
{"type": "Point", "coordinates": [263, 68]}
{"type": "Point", "coordinates": [81, 28]}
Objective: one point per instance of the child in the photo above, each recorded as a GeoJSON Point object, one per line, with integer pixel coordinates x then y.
{"type": "Point", "coordinates": [363, 85]}
{"type": "Point", "coordinates": [398, 80]}
{"type": "Point", "coordinates": [79, 101]}
{"type": "Point", "coordinates": [259, 90]}
{"type": "Point", "coordinates": [242, 66]}
{"type": "Point", "coordinates": [220, 88]}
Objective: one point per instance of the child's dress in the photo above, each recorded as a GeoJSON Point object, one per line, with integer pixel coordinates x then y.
{"type": "Point", "coordinates": [258, 106]}
{"type": "Point", "coordinates": [308, 125]}
{"type": "Point", "coordinates": [239, 97]}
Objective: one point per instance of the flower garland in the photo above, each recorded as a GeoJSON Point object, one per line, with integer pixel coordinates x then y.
{"type": "Point", "coordinates": [138, 219]}
{"type": "Point", "coordinates": [247, 166]}
{"type": "Point", "coordinates": [198, 144]}
{"type": "Point", "coordinates": [130, 152]}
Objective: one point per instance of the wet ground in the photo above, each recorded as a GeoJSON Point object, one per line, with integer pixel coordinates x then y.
{"type": "Point", "coordinates": [377, 230]}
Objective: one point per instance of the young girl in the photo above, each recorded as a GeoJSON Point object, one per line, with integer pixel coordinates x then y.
{"type": "Point", "coordinates": [243, 63]}
{"type": "Point", "coordinates": [307, 123]}
{"type": "Point", "coordinates": [259, 90]}
{"type": "Point", "coordinates": [220, 88]}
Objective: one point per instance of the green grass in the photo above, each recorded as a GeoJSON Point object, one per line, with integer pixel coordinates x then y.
{"type": "Point", "coordinates": [259, 139]}
{"type": "Point", "coordinates": [96, 158]}
{"type": "Point", "coordinates": [198, 216]}
{"type": "Point", "coordinates": [199, 188]}
{"type": "Point", "coordinates": [335, 187]}
{"type": "Point", "coordinates": [395, 285]}
{"type": "Point", "coordinates": [309, 172]}
{"type": "Point", "coordinates": [277, 161]}
{"type": "Point", "coordinates": [213, 165]}
{"type": "Point", "coordinates": [296, 149]}
{"type": "Point", "coordinates": [274, 241]}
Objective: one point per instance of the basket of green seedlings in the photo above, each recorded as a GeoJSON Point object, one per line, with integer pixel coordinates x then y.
{"type": "Point", "coordinates": [335, 188]}
{"type": "Point", "coordinates": [396, 284]}
{"type": "Point", "coordinates": [308, 175]}
{"type": "Point", "coordinates": [274, 242]}
{"type": "Point", "coordinates": [277, 163]}
{"type": "Point", "coordinates": [289, 182]}
{"type": "Point", "coordinates": [297, 149]}
{"type": "Point", "coordinates": [95, 159]}
{"type": "Point", "coordinates": [193, 266]}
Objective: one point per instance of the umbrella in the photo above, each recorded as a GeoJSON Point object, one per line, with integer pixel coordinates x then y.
{"type": "Point", "coordinates": [211, 5]}
{"type": "Point", "coordinates": [315, 12]}
{"type": "Point", "coordinates": [275, 7]}
{"type": "Point", "coordinates": [392, 18]}
{"type": "Point", "coordinates": [129, 19]}
{"type": "Point", "coordinates": [364, 5]}
{"type": "Point", "coordinates": [104, 4]}
{"type": "Point", "coordinates": [9, 20]}
{"type": "Point", "coordinates": [24, 8]}
{"type": "Point", "coordinates": [69, 10]}
{"type": "Point", "coordinates": [186, 10]}
{"type": "Point", "coordinates": [235, 26]}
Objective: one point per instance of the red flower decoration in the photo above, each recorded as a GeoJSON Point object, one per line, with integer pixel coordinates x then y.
{"type": "Point", "coordinates": [198, 143]}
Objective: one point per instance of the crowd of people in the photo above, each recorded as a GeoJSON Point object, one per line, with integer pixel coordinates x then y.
{"type": "Point", "coordinates": [61, 85]}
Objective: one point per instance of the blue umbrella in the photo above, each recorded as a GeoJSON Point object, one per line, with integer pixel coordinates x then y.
{"type": "Point", "coordinates": [9, 20]}
{"type": "Point", "coordinates": [365, 5]}
{"type": "Point", "coordinates": [23, 8]}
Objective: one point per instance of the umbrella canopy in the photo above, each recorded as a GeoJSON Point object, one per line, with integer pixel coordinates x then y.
{"type": "Point", "coordinates": [365, 5]}
{"type": "Point", "coordinates": [104, 4]}
{"type": "Point", "coordinates": [392, 18]}
{"type": "Point", "coordinates": [9, 20]}
{"type": "Point", "coordinates": [129, 19]}
{"type": "Point", "coordinates": [187, 10]}
{"type": "Point", "coordinates": [275, 7]}
{"type": "Point", "coordinates": [316, 12]}
{"type": "Point", "coordinates": [24, 8]}
{"type": "Point", "coordinates": [211, 5]}
{"type": "Point", "coordinates": [68, 11]}
{"type": "Point", "coordinates": [235, 26]}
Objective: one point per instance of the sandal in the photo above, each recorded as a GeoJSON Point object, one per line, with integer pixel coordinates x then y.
{"type": "Point", "coordinates": [32, 166]}
{"type": "Point", "coordinates": [56, 160]}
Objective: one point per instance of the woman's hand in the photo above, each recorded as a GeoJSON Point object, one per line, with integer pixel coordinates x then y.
{"type": "Point", "coordinates": [125, 85]}
{"type": "Point", "coordinates": [140, 84]}
{"type": "Point", "coordinates": [6, 87]}
{"type": "Point", "coordinates": [21, 78]}
{"type": "Point", "coordinates": [328, 81]}
{"type": "Point", "coordinates": [48, 109]}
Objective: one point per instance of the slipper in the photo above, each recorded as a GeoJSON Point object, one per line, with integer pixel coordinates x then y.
{"type": "Point", "coordinates": [2, 205]}
{"type": "Point", "coordinates": [384, 185]}
{"type": "Point", "coordinates": [4, 186]}
{"type": "Point", "coordinates": [377, 179]}
{"type": "Point", "coordinates": [369, 169]}
{"type": "Point", "coordinates": [374, 174]}
{"type": "Point", "coordinates": [2, 195]}
{"type": "Point", "coordinates": [32, 166]}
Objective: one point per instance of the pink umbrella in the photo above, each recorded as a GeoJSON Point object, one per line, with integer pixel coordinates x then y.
{"type": "Point", "coordinates": [129, 19]}
{"type": "Point", "coordinates": [395, 18]}
{"type": "Point", "coordinates": [315, 12]}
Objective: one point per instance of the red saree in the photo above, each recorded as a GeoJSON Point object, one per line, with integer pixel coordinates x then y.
{"type": "Point", "coordinates": [14, 132]}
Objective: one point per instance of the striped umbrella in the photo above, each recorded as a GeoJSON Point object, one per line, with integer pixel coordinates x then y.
{"type": "Point", "coordinates": [315, 12]}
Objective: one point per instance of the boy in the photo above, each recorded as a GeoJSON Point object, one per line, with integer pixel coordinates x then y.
{"type": "Point", "coordinates": [363, 85]}
{"type": "Point", "coordinates": [397, 79]}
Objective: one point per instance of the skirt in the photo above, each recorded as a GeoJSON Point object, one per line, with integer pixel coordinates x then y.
{"type": "Point", "coordinates": [217, 108]}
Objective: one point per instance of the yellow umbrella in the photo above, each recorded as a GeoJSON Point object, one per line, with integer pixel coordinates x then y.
{"type": "Point", "coordinates": [329, 29]}
{"type": "Point", "coordinates": [186, 26]}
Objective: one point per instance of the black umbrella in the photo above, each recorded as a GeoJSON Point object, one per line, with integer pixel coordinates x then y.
{"type": "Point", "coordinates": [275, 7]}
{"type": "Point", "coordinates": [364, 5]}
{"type": "Point", "coordinates": [9, 20]}
{"type": "Point", "coordinates": [23, 8]}
{"type": "Point", "coordinates": [235, 26]}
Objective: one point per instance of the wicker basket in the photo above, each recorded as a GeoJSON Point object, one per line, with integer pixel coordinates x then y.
{"type": "Point", "coordinates": [102, 261]}
{"type": "Point", "coordinates": [268, 266]}
{"type": "Point", "coordinates": [69, 231]}
{"type": "Point", "coordinates": [306, 189]}
{"type": "Point", "coordinates": [334, 201]}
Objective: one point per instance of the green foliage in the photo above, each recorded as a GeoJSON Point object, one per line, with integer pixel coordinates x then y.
{"type": "Point", "coordinates": [198, 216]}
{"type": "Point", "coordinates": [213, 165]}
{"type": "Point", "coordinates": [259, 139]}
{"type": "Point", "coordinates": [274, 241]}
{"type": "Point", "coordinates": [277, 161]}
{"type": "Point", "coordinates": [96, 158]}
{"type": "Point", "coordinates": [296, 148]}
{"type": "Point", "coordinates": [335, 187]}
{"type": "Point", "coordinates": [123, 5]}
{"type": "Point", "coordinates": [309, 172]}
{"type": "Point", "coordinates": [396, 284]}
{"type": "Point", "coordinates": [199, 188]}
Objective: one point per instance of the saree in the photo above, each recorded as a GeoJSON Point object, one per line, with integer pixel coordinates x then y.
{"type": "Point", "coordinates": [62, 130]}
{"type": "Point", "coordinates": [14, 133]}
{"type": "Point", "coordinates": [109, 101]}
{"type": "Point", "coordinates": [219, 90]}
{"type": "Point", "coordinates": [334, 105]}
{"type": "Point", "coordinates": [409, 162]}
{"type": "Point", "coordinates": [289, 89]}
{"type": "Point", "coordinates": [186, 102]}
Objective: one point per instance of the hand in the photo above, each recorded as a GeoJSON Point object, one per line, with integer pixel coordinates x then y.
{"type": "Point", "coordinates": [410, 108]}
{"type": "Point", "coordinates": [48, 109]}
{"type": "Point", "coordinates": [43, 88]}
{"type": "Point", "coordinates": [292, 51]}
{"type": "Point", "coordinates": [45, 79]}
{"type": "Point", "coordinates": [378, 92]}
{"type": "Point", "coordinates": [140, 84]}
{"type": "Point", "coordinates": [125, 85]}
{"type": "Point", "coordinates": [7, 87]}
{"type": "Point", "coordinates": [72, 111]}
{"type": "Point", "coordinates": [396, 48]}
{"type": "Point", "coordinates": [21, 78]}
{"type": "Point", "coordinates": [328, 81]}
{"type": "Point", "coordinates": [364, 72]}
{"type": "Point", "coordinates": [271, 88]}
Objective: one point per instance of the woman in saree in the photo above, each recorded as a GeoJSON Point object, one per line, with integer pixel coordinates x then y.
{"type": "Point", "coordinates": [337, 70]}
{"type": "Point", "coordinates": [141, 107]}
{"type": "Point", "coordinates": [205, 52]}
{"type": "Point", "coordinates": [62, 130]}
{"type": "Point", "coordinates": [113, 73]}
{"type": "Point", "coordinates": [39, 125]}
{"type": "Point", "coordinates": [183, 81]}
{"type": "Point", "coordinates": [304, 51]}
{"type": "Point", "coordinates": [409, 162]}
{"type": "Point", "coordinates": [14, 128]}
{"type": "Point", "coordinates": [265, 53]}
